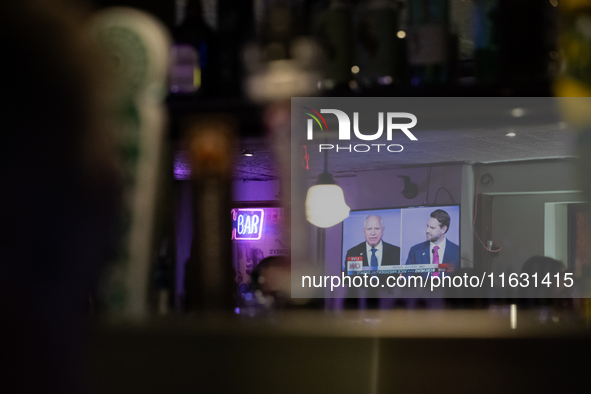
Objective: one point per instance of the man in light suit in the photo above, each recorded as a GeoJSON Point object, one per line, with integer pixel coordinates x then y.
{"type": "Point", "coordinates": [437, 249]}
{"type": "Point", "coordinates": [374, 251]}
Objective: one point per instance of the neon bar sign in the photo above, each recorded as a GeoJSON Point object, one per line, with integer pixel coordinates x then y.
{"type": "Point", "coordinates": [247, 224]}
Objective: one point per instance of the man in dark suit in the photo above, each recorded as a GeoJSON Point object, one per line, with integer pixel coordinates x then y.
{"type": "Point", "coordinates": [374, 251]}
{"type": "Point", "coordinates": [437, 249]}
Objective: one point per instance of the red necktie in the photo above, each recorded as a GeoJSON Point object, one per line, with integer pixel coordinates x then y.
{"type": "Point", "coordinates": [436, 258]}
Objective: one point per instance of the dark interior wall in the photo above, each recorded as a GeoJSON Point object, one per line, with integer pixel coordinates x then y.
{"type": "Point", "coordinates": [519, 224]}
{"type": "Point", "coordinates": [383, 189]}
{"type": "Point", "coordinates": [520, 192]}
{"type": "Point", "coordinates": [531, 176]}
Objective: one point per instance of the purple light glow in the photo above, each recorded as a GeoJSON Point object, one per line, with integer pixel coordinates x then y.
{"type": "Point", "coordinates": [182, 169]}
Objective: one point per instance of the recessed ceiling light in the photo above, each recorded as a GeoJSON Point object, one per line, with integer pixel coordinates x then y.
{"type": "Point", "coordinates": [511, 134]}
{"type": "Point", "coordinates": [247, 153]}
{"type": "Point", "coordinates": [401, 34]}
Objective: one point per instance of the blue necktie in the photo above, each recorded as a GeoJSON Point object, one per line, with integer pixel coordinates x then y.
{"type": "Point", "coordinates": [374, 259]}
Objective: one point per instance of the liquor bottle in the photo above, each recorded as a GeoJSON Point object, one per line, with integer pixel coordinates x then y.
{"type": "Point", "coordinates": [277, 30]}
{"type": "Point", "coordinates": [486, 41]}
{"type": "Point", "coordinates": [235, 28]}
{"type": "Point", "coordinates": [282, 62]}
{"type": "Point", "coordinates": [525, 47]}
{"type": "Point", "coordinates": [193, 56]}
{"type": "Point", "coordinates": [381, 56]}
{"type": "Point", "coordinates": [511, 53]}
{"type": "Point", "coordinates": [163, 278]}
{"type": "Point", "coordinates": [335, 31]}
{"type": "Point", "coordinates": [429, 42]}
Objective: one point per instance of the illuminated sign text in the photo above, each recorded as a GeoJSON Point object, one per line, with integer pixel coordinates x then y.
{"type": "Point", "coordinates": [247, 224]}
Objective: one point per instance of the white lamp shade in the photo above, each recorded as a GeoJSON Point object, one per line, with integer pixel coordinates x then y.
{"type": "Point", "coordinates": [325, 205]}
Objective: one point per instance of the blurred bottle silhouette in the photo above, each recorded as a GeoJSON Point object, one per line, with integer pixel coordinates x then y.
{"type": "Point", "coordinates": [277, 29]}
{"type": "Point", "coordinates": [194, 56]}
{"type": "Point", "coordinates": [381, 55]}
{"type": "Point", "coordinates": [209, 281]}
{"type": "Point", "coordinates": [335, 32]}
{"type": "Point", "coordinates": [236, 27]}
{"type": "Point", "coordinates": [429, 42]}
{"type": "Point", "coordinates": [486, 41]}
{"type": "Point", "coordinates": [163, 278]}
{"type": "Point", "coordinates": [509, 52]}
{"type": "Point", "coordinates": [282, 61]}
{"type": "Point", "coordinates": [526, 48]}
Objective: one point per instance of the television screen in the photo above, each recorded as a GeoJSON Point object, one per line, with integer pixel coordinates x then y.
{"type": "Point", "coordinates": [402, 240]}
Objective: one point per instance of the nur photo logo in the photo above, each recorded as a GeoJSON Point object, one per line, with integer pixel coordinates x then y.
{"type": "Point", "coordinates": [391, 120]}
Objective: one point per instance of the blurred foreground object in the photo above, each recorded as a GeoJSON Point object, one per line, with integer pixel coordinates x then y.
{"type": "Point", "coordinates": [208, 275]}
{"type": "Point", "coordinates": [575, 49]}
{"type": "Point", "coordinates": [388, 350]}
{"type": "Point", "coordinates": [271, 281]}
{"type": "Point", "coordinates": [60, 183]}
{"type": "Point", "coordinates": [138, 47]}
{"type": "Point", "coordinates": [574, 86]}
{"type": "Point", "coordinates": [284, 62]}
{"type": "Point", "coordinates": [575, 63]}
